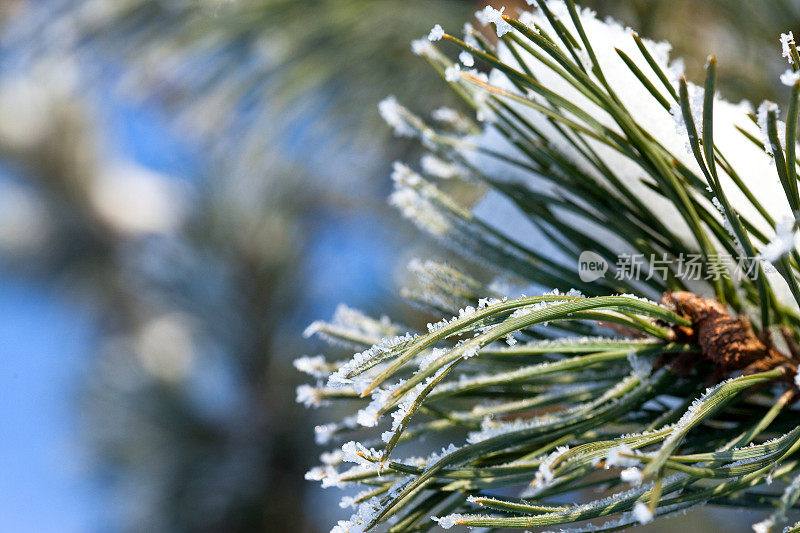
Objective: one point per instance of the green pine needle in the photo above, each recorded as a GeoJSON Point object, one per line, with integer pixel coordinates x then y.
{"type": "Point", "coordinates": [592, 389]}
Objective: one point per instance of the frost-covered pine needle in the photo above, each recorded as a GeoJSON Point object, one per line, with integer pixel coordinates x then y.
{"type": "Point", "coordinates": [586, 138]}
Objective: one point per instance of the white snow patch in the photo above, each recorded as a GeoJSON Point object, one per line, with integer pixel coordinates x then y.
{"type": "Point", "coordinates": [782, 244]}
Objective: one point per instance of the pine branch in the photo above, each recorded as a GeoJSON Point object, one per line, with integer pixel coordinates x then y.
{"type": "Point", "coordinates": [603, 147]}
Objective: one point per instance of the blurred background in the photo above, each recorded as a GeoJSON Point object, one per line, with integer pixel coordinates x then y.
{"type": "Point", "coordinates": [184, 186]}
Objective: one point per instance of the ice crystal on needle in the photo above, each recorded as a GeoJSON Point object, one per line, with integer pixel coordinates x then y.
{"type": "Point", "coordinates": [440, 168]}
{"type": "Point", "coordinates": [616, 457]}
{"type": "Point", "coordinates": [641, 368]}
{"type": "Point", "coordinates": [631, 475]}
{"type": "Point", "coordinates": [764, 109]}
{"type": "Point", "coordinates": [787, 40]}
{"type": "Point", "coordinates": [436, 33]}
{"type": "Point", "coordinates": [453, 73]}
{"type": "Point", "coordinates": [313, 366]}
{"type": "Point", "coordinates": [392, 112]}
{"type": "Point", "coordinates": [446, 522]}
{"type": "Point", "coordinates": [446, 114]}
{"type": "Point", "coordinates": [544, 475]}
{"type": "Point", "coordinates": [495, 16]}
{"type": "Point", "coordinates": [309, 396]}
{"type": "Point", "coordinates": [790, 77]}
{"type": "Point", "coordinates": [642, 513]}
{"type": "Point", "coordinates": [421, 47]}
{"type": "Point", "coordinates": [355, 452]}
{"type": "Point", "coordinates": [340, 378]}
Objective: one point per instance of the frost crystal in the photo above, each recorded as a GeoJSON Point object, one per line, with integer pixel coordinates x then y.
{"type": "Point", "coordinates": [332, 458]}
{"type": "Point", "coordinates": [403, 410]}
{"type": "Point", "coordinates": [440, 168]}
{"type": "Point", "coordinates": [315, 474]}
{"type": "Point", "coordinates": [453, 73]}
{"type": "Point", "coordinates": [347, 502]}
{"type": "Point", "coordinates": [469, 38]}
{"type": "Point", "coordinates": [446, 522]}
{"type": "Point", "coordinates": [421, 47]}
{"type": "Point", "coordinates": [446, 114]}
{"type": "Point", "coordinates": [790, 77]}
{"type": "Point", "coordinates": [351, 322]}
{"type": "Point", "coordinates": [490, 14]}
{"type": "Point", "coordinates": [640, 367]}
{"type": "Point", "coordinates": [391, 111]}
{"type": "Point", "coordinates": [764, 109]}
{"type": "Point", "coordinates": [309, 396]}
{"type": "Point", "coordinates": [462, 313]}
{"type": "Point", "coordinates": [616, 457]}
{"type": "Point", "coordinates": [435, 457]}
{"type": "Point", "coordinates": [313, 366]}
{"type": "Point", "coordinates": [368, 416]}
{"type": "Point", "coordinates": [417, 209]}
{"type": "Point", "coordinates": [325, 432]}
{"type": "Point", "coordinates": [339, 378]}
{"type": "Point", "coordinates": [490, 428]}
{"type": "Point", "coordinates": [466, 58]}
{"type": "Point", "coordinates": [642, 513]}
{"type": "Point", "coordinates": [486, 302]}
{"type": "Point", "coordinates": [691, 413]}
{"type": "Point", "coordinates": [426, 360]}
{"type": "Point", "coordinates": [787, 40]}
{"type": "Point", "coordinates": [631, 475]}
{"type": "Point", "coordinates": [436, 33]}
{"type": "Point", "coordinates": [470, 352]}
{"type": "Point", "coordinates": [545, 476]}
{"type": "Point", "coordinates": [330, 477]}
{"type": "Point", "coordinates": [366, 512]}
{"type": "Point", "coordinates": [413, 204]}
{"type": "Point", "coordinates": [355, 452]}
